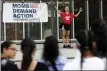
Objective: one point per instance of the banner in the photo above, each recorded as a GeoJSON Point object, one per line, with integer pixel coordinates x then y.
{"type": "Point", "coordinates": [25, 12]}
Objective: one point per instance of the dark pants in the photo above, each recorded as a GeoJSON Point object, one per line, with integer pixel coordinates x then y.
{"type": "Point", "coordinates": [66, 26]}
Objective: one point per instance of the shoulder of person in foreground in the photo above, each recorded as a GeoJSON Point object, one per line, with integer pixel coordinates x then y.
{"type": "Point", "coordinates": [105, 62]}
{"type": "Point", "coordinates": [59, 59]}
{"type": "Point", "coordinates": [41, 60]}
{"type": "Point", "coordinates": [100, 62]}
{"type": "Point", "coordinates": [41, 66]}
{"type": "Point", "coordinates": [62, 59]}
{"type": "Point", "coordinates": [8, 65]}
{"type": "Point", "coordinates": [73, 65]}
{"type": "Point", "coordinates": [78, 53]}
{"type": "Point", "coordinates": [94, 63]}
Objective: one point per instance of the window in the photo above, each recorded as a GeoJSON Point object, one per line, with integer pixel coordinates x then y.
{"type": "Point", "coordinates": [14, 31]}
{"type": "Point", "coordinates": [33, 31]}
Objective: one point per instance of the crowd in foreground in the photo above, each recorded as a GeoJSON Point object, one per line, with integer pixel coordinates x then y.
{"type": "Point", "coordinates": [91, 52]}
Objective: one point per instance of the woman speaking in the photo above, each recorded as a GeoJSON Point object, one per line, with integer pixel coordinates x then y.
{"type": "Point", "coordinates": [67, 17]}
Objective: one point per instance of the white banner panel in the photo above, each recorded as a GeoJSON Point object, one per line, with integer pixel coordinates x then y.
{"type": "Point", "coordinates": [25, 12]}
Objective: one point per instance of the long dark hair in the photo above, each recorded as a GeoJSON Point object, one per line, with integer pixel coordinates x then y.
{"type": "Point", "coordinates": [99, 27]}
{"type": "Point", "coordinates": [86, 40]}
{"type": "Point", "coordinates": [27, 47]}
{"type": "Point", "coordinates": [51, 50]}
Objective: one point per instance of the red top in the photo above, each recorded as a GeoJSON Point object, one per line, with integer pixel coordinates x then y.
{"type": "Point", "coordinates": [66, 18]}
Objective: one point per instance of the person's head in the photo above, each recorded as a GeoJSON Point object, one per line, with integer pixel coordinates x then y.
{"type": "Point", "coordinates": [51, 49]}
{"type": "Point", "coordinates": [97, 26]}
{"type": "Point", "coordinates": [8, 49]}
{"type": "Point", "coordinates": [100, 29]}
{"type": "Point", "coordinates": [66, 9]}
{"type": "Point", "coordinates": [87, 42]}
{"type": "Point", "coordinates": [28, 49]}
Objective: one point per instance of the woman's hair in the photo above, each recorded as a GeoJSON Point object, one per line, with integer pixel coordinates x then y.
{"type": "Point", "coordinates": [6, 44]}
{"type": "Point", "coordinates": [86, 40]}
{"type": "Point", "coordinates": [68, 7]}
{"type": "Point", "coordinates": [51, 50]}
{"type": "Point", "coordinates": [99, 27]}
{"type": "Point", "coordinates": [27, 47]}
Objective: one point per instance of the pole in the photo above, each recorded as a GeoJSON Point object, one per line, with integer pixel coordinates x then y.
{"type": "Point", "coordinates": [23, 30]}
{"type": "Point", "coordinates": [1, 8]}
{"type": "Point", "coordinates": [87, 14]}
{"type": "Point", "coordinates": [41, 22]}
{"type": "Point", "coordinates": [57, 22]}
{"type": "Point", "coordinates": [73, 19]}
{"type": "Point", "coordinates": [101, 9]}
